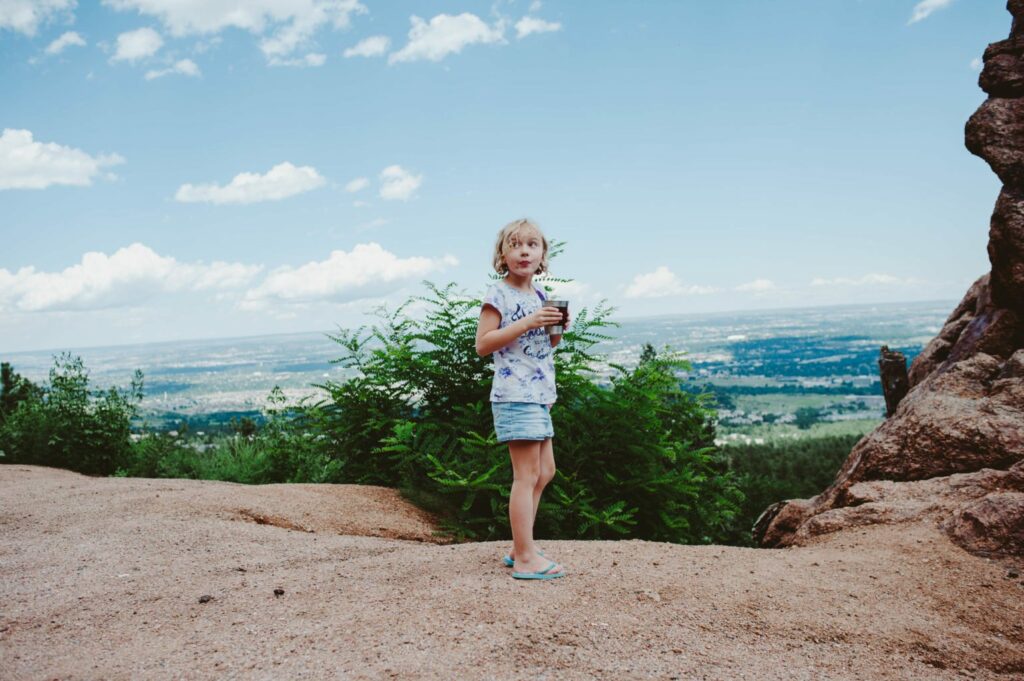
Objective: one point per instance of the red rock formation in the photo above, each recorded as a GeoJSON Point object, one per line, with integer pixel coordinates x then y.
{"type": "Point", "coordinates": [965, 408]}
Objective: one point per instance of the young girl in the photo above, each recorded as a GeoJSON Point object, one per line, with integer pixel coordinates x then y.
{"type": "Point", "coordinates": [511, 327]}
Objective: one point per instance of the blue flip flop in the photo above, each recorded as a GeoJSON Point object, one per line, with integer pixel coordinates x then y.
{"type": "Point", "coordinates": [540, 574]}
{"type": "Point", "coordinates": [507, 560]}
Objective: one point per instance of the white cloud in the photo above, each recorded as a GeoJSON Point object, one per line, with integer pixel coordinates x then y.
{"type": "Point", "coordinates": [137, 44]}
{"type": "Point", "coordinates": [367, 271]}
{"type": "Point", "coordinates": [528, 25]}
{"type": "Point", "coordinates": [573, 291]}
{"type": "Point", "coordinates": [25, 16]}
{"type": "Point", "coordinates": [27, 164]}
{"type": "Point", "coordinates": [185, 67]}
{"type": "Point", "coordinates": [976, 64]}
{"type": "Point", "coordinates": [446, 34]}
{"type": "Point", "coordinates": [924, 9]}
{"type": "Point", "coordinates": [535, 6]}
{"type": "Point", "coordinates": [280, 182]}
{"type": "Point", "coordinates": [873, 279]}
{"type": "Point", "coordinates": [291, 23]}
{"type": "Point", "coordinates": [66, 40]}
{"type": "Point", "coordinates": [311, 59]}
{"type": "Point", "coordinates": [374, 46]}
{"type": "Point", "coordinates": [398, 184]}
{"type": "Point", "coordinates": [660, 283]}
{"type": "Point", "coordinates": [358, 184]}
{"type": "Point", "coordinates": [129, 276]}
{"type": "Point", "coordinates": [757, 286]}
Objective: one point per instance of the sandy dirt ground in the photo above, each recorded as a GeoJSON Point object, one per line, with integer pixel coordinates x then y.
{"type": "Point", "coordinates": [108, 578]}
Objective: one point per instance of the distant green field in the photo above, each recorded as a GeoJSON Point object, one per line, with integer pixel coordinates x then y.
{"type": "Point", "coordinates": [786, 431]}
{"type": "Point", "coordinates": [747, 381]}
{"type": "Point", "coordinates": [782, 404]}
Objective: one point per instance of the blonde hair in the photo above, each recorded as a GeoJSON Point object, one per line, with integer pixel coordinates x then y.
{"type": "Point", "coordinates": [508, 237]}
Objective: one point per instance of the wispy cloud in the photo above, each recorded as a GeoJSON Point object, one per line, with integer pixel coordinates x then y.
{"type": "Point", "coordinates": [311, 59]}
{"type": "Point", "coordinates": [138, 44]}
{"type": "Point", "coordinates": [576, 292]}
{"type": "Point", "coordinates": [280, 182]}
{"type": "Point", "coordinates": [129, 276]}
{"type": "Point", "coordinates": [446, 34]}
{"type": "Point", "coordinates": [357, 185]}
{"type": "Point", "coordinates": [872, 279]}
{"type": "Point", "coordinates": [925, 8]}
{"type": "Point", "coordinates": [660, 283]}
{"type": "Point", "coordinates": [25, 16]}
{"type": "Point", "coordinates": [757, 286]}
{"type": "Point", "coordinates": [284, 26]}
{"type": "Point", "coordinates": [528, 25]}
{"type": "Point", "coordinates": [185, 67]}
{"type": "Point", "coordinates": [367, 271]}
{"type": "Point", "coordinates": [398, 184]}
{"type": "Point", "coordinates": [976, 64]}
{"type": "Point", "coordinates": [27, 164]}
{"type": "Point", "coordinates": [66, 40]}
{"type": "Point", "coordinates": [374, 46]}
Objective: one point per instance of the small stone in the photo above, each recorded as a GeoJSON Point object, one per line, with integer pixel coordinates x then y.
{"type": "Point", "coordinates": [1012, 574]}
{"type": "Point", "coordinates": [279, 592]}
{"type": "Point", "coordinates": [205, 599]}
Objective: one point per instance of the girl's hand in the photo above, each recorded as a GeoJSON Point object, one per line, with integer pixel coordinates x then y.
{"type": "Point", "coordinates": [545, 316]}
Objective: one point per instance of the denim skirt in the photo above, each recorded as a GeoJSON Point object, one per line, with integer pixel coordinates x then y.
{"type": "Point", "coordinates": [522, 421]}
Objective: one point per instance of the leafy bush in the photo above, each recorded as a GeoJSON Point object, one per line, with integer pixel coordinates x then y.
{"type": "Point", "coordinates": [286, 449]}
{"type": "Point", "coordinates": [633, 460]}
{"type": "Point", "coordinates": [69, 426]}
{"type": "Point", "coordinates": [293, 445]}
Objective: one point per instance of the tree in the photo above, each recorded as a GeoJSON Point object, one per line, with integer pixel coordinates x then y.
{"type": "Point", "coordinates": [14, 389]}
{"type": "Point", "coordinates": [69, 426]}
{"type": "Point", "coordinates": [807, 417]}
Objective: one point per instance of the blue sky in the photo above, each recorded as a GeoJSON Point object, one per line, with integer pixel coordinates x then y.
{"type": "Point", "coordinates": [215, 168]}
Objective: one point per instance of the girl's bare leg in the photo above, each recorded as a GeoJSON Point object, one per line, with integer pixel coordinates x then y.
{"type": "Point", "coordinates": [546, 472]}
{"type": "Point", "coordinates": [526, 467]}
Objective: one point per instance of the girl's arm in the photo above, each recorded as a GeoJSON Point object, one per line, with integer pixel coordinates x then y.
{"type": "Point", "coordinates": [489, 338]}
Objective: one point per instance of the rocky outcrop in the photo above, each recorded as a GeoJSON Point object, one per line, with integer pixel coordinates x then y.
{"type": "Point", "coordinates": [964, 413]}
{"type": "Point", "coordinates": [892, 366]}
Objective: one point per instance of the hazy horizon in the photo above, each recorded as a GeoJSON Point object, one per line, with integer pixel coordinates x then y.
{"type": "Point", "coordinates": [370, 320]}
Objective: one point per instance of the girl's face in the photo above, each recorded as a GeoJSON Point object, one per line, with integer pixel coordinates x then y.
{"type": "Point", "coordinates": [524, 253]}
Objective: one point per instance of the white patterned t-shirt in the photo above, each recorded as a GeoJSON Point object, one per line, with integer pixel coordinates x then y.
{"type": "Point", "coordinates": [524, 370]}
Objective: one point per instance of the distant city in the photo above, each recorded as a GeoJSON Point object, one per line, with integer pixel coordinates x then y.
{"type": "Point", "coordinates": [762, 366]}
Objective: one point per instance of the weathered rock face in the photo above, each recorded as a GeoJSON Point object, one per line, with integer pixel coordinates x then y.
{"type": "Point", "coordinates": [965, 409]}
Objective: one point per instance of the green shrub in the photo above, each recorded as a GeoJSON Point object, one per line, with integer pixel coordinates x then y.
{"type": "Point", "coordinates": [69, 426]}
{"type": "Point", "coordinates": [293, 445]}
{"type": "Point", "coordinates": [633, 459]}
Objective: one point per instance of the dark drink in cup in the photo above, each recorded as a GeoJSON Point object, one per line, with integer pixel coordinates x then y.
{"type": "Point", "coordinates": [563, 306]}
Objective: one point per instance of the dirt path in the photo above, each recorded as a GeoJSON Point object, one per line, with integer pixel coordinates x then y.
{"type": "Point", "coordinates": [105, 578]}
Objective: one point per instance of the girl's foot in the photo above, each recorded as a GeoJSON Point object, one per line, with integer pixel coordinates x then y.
{"type": "Point", "coordinates": [536, 565]}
